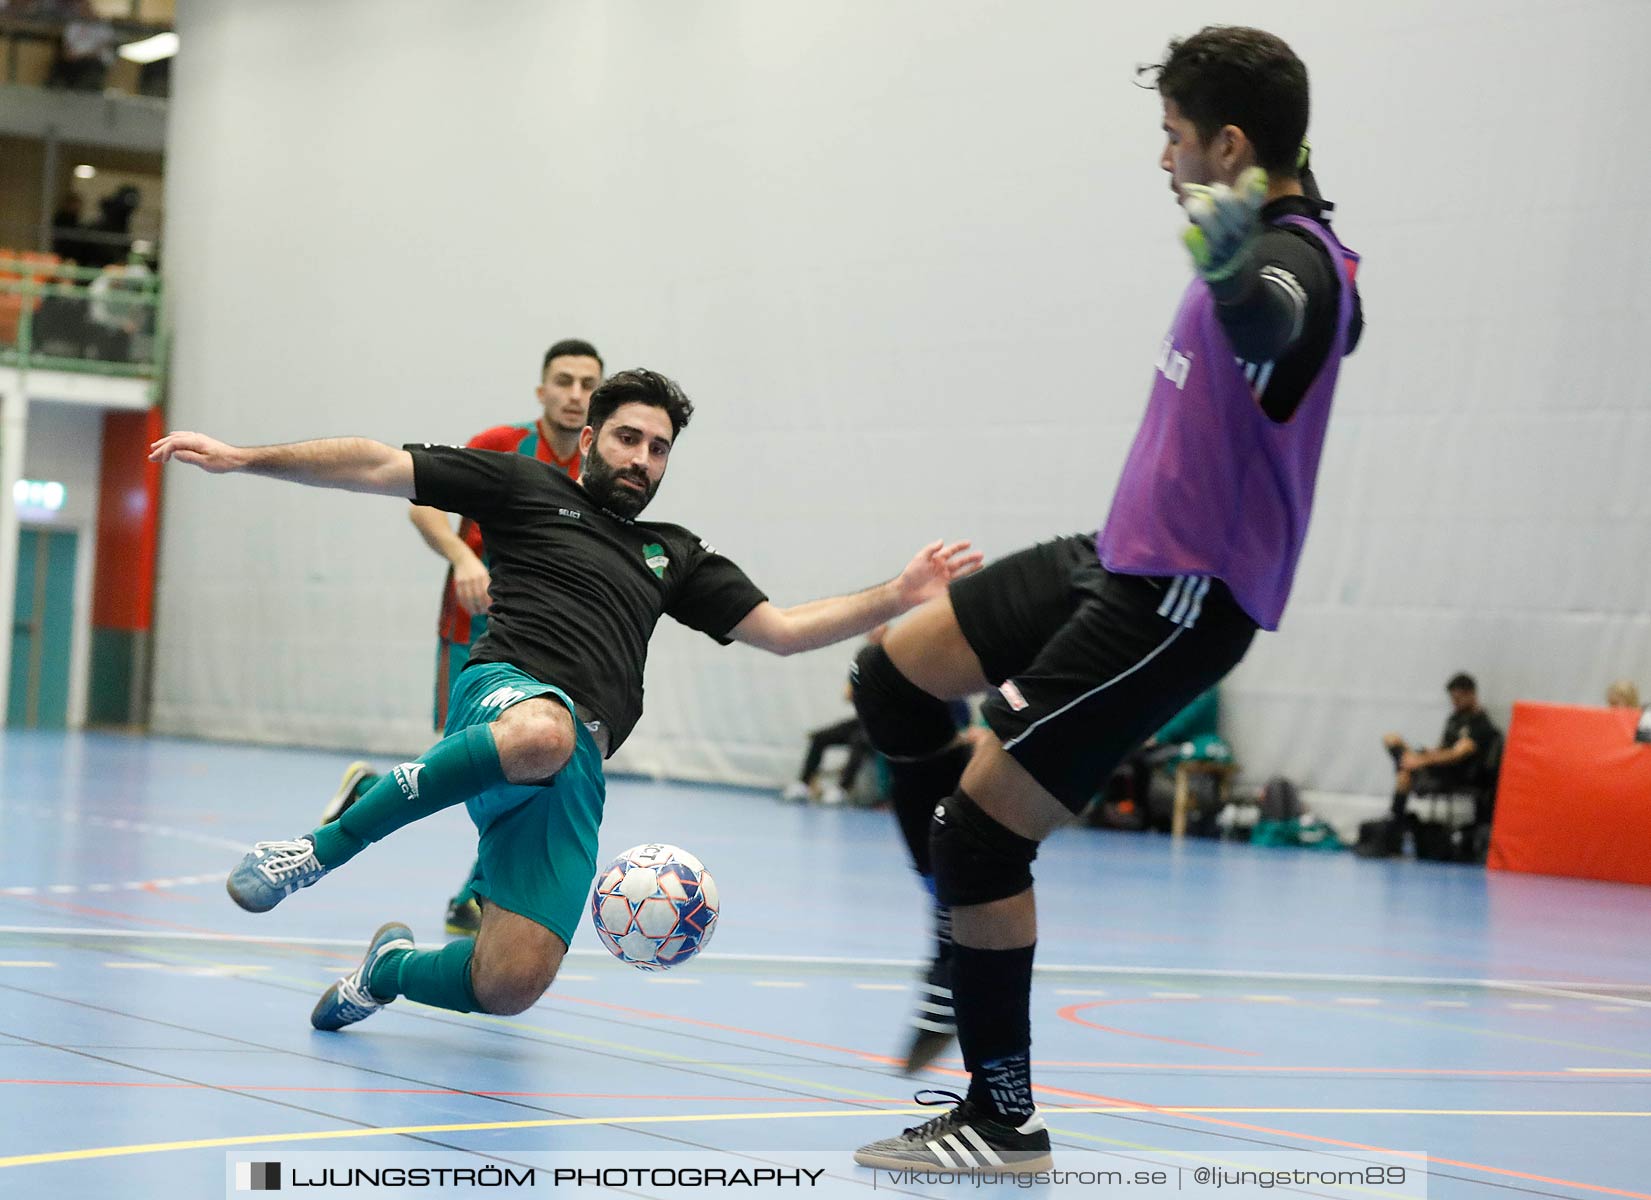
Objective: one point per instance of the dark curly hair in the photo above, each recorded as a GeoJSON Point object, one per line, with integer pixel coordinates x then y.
{"type": "Point", "coordinates": [1231, 75]}
{"type": "Point", "coordinates": [640, 386]}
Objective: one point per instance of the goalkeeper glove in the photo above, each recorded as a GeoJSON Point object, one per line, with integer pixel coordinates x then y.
{"type": "Point", "coordinates": [1225, 222]}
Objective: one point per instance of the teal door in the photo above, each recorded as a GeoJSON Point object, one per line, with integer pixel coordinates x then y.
{"type": "Point", "coordinates": [42, 626]}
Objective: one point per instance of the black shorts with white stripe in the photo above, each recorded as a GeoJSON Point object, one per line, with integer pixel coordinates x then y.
{"type": "Point", "coordinates": [1088, 664]}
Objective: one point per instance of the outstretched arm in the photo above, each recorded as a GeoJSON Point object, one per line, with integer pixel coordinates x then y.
{"type": "Point", "coordinates": [823, 622]}
{"type": "Point", "coordinates": [349, 464]}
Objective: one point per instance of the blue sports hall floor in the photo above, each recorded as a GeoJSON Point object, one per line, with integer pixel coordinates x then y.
{"type": "Point", "coordinates": [1195, 1003]}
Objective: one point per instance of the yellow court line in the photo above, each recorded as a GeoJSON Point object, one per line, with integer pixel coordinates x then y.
{"type": "Point", "coordinates": [24, 1160]}
{"type": "Point", "coordinates": [1392, 1018]}
{"type": "Point", "coordinates": [558, 1035]}
{"type": "Point", "coordinates": [745, 1073]}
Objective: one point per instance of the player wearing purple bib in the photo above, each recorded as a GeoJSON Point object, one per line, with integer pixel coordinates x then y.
{"type": "Point", "coordinates": [1095, 640]}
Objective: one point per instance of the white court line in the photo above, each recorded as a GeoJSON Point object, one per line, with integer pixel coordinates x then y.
{"type": "Point", "coordinates": [131, 885]}
{"type": "Point", "coordinates": [125, 826]}
{"type": "Point", "coordinates": [777, 983]}
{"type": "Point", "coordinates": [906, 964]}
{"type": "Point", "coordinates": [1446, 1003]}
{"type": "Point", "coordinates": [24, 962]}
{"type": "Point", "coordinates": [178, 936]}
{"type": "Point", "coordinates": [1527, 1007]}
{"type": "Point", "coordinates": [880, 987]}
{"type": "Point", "coordinates": [1366, 1000]}
{"type": "Point", "coordinates": [1580, 991]}
{"type": "Point", "coordinates": [565, 978]}
{"type": "Point", "coordinates": [214, 970]}
{"type": "Point", "coordinates": [1269, 999]}
{"type": "Point", "coordinates": [191, 968]}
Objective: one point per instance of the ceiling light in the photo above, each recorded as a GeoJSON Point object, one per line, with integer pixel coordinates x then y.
{"type": "Point", "coordinates": [152, 49]}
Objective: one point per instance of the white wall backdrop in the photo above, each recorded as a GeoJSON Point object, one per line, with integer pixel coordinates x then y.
{"type": "Point", "coordinates": [913, 261]}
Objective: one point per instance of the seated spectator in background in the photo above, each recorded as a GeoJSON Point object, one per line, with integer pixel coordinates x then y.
{"type": "Point", "coordinates": [844, 733]}
{"type": "Point", "coordinates": [66, 227]}
{"type": "Point", "coordinates": [119, 307]}
{"type": "Point", "coordinates": [1622, 694]}
{"type": "Point", "coordinates": [807, 785]}
{"type": "Point", "coordinates": [106, 240]}
{"type": "Point", "coordinates": [1461, 761]}
{"type": "Point", "coordinates": [852, 734]}
{"type": "Point", "coordinates": [62, 328]}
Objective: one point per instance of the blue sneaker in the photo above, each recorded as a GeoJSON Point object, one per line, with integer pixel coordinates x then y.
{"type": "Point", "coordinates": [272, 871]}
{"type": "Point", "coordinates": [348, 1000]}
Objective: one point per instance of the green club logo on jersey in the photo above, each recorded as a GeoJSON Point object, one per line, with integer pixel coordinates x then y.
{"type": "Point", "coordinates": [654, 555]}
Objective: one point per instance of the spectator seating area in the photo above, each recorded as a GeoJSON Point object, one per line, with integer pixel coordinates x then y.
{"type": "Point", "coordinates": [58, 316]}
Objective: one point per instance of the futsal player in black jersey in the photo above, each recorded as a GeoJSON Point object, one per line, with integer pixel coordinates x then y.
{"type": "Point", "coordinates": [552, 688]}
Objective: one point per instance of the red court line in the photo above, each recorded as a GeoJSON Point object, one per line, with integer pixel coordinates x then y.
{"type": "Point", "coordinates": [1083, 1097]}
{"type": "Point", "coordinates": [88, 911]}
{"type": "Point", "coordinates": [1071, 1011]}
{"type": "Point", "coordinates": [168, 893]}
{"type": "Point", "coordinates": [1079, 1099]}
{"type": "Point", "coordinates": [1329, 1141]}
{"type": "Point", "coordinates": [1092, 1098]}
{"type": "Point", "coordinates": [1039, 1062]}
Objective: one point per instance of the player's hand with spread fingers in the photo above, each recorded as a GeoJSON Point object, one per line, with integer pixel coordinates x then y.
{"type": "Point", "coordinates": [1225, 221]}
{"type": "Point", "coordinates": [935, 566]}
{"type": "Point", "coordinates": [196, 449]}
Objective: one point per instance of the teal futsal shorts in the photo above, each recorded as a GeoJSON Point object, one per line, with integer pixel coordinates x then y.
{"type": "Point", "coordinates": [538, 841]}
{"type": "Point", "coordinates": [450, 660]}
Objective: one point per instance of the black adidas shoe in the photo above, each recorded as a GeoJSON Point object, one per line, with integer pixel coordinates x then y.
{"type": "Point", "coordinates": [934, 1023]}
{"type": "Point", "coordinates": [963, 1140]}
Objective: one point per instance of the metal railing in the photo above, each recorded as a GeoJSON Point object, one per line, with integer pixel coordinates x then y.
{"type": "Point", "coordinates": [56, 317]}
